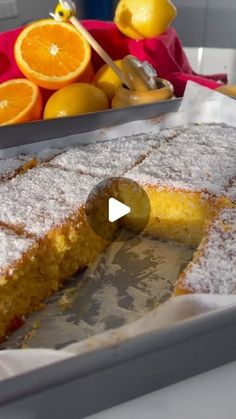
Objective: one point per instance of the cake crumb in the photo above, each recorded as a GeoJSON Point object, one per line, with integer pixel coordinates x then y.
{"type": "Point", "coordinates": [30, 334]}
{"type": "Point", "coordinates": [64, 302]}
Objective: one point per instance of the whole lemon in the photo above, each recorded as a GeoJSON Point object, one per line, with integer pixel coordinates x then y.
{"type": "Point", "coordinates": [140, 19]}
{"type": "Point", "coordinates": [75, 99]}
{"type": "Point", "coordinates": [107, 80]}
{"type": "Point", "coordinates": [228, 90]}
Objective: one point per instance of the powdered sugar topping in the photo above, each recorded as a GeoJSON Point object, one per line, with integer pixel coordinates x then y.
{"type": "Point", "coordinates": [215, 271]}
{"type": "Point", "coordinates": [10, 166]}
{"type": "Point", "coordinates": [42, 198]}
{"type": "Point", "coordinates": [202, 159]}
{"type": "Point", "coordinates": [107, 158]}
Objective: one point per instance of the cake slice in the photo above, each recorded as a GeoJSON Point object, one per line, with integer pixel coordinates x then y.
{"type": "Point", "coordinates": [21, 285]}
{"type": "Point", "coordinates": [186, 180]}
{"type": "Point", "coordinates": [219, 136]}
{"type": "Point", "coordinates": [108, 158]}
{"type": "Point", "coordinates": [213, 269]}
{"type": "Point", "coordinates": [49, 205]}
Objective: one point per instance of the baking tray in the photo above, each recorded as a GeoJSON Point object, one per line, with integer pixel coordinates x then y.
{"type": "Point", "coordinates": [88, 383]}
{"type": "Point", "coordinates": [31, 132]}
{"type": "Point", "coordinates": [81, 386]}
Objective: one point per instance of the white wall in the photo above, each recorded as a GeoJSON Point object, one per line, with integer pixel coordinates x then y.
{"type": "Point", "coordinates": [213, 60]}
{"type": "Point", "coordinates": [209, 23]}
{"type": "Point", "coordinates": [26, 10]}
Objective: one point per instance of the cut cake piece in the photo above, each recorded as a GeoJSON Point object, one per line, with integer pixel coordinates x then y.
{"type": "Point", "coordinates": [49, 205]}
{"type": "Point", "coordinates": [108, 158]}
{"type": "Point", "coordinates": [20, 281]}
{"type": "Point", "coordinates": [213, 269]}
{"type": "Point", "coordinates": [186, 180]}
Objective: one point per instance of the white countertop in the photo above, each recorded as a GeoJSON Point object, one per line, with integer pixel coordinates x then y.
{"type": "Point", "coordinates": [211, 395]}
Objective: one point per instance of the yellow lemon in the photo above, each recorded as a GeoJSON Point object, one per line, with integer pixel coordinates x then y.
{"type": "Point", "coordinates": [75, 99]}
{"type": "Point", "coordinates": [107, 80]}
{"type": "Point", "coordinates": [140, 19]}
{"type": "Point", "coordinates": [228, 90]}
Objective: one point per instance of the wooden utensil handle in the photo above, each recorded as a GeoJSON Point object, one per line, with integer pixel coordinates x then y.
{"type": "Point", "coordinates": [97, 47]}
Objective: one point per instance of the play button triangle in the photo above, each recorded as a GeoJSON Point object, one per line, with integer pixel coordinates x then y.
{"type": "Point", "coordinates": [116, 210]}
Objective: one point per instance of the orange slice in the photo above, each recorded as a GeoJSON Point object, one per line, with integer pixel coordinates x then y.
{"type": "Point", "coordinates": [52, 54]}
{"type": "Point", "coordinates": [20, 101]}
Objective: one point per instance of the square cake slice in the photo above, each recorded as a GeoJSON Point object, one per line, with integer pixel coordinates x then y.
{"type": "Point", "coordinates": [49, 205]}
{"type": "Point", "coordinates": [203, 159]}
{"type": "Point", "coordinates": [213, 269]}
{"type": "Point", "coordinates": [107, 158]}
{"type": "Point", "coordinates": [186, 180]}
{"type": "Point", "coordinates": [20, 281]}
{"type": "Point", "coordinates": [42, 199]}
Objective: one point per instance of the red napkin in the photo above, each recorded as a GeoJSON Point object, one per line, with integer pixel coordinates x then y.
{"type": "Point", "coordinates": [165, 53]}
{"type": "Point", "coordinates": [8, 66]}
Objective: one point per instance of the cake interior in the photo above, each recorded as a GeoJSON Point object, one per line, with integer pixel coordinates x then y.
{"type": "Point", "coordinates": [175, 215]}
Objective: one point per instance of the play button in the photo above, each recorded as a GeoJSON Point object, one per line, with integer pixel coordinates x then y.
{"type": "Point", "coordinates": [116, 210]}
{"type": "Point", "coordinates": [117, 203]}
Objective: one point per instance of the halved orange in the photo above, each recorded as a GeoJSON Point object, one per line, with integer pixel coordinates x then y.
{"type": "Point", "coordinates": [20, 101]}
{"type": "Point", "coordinates": [52, 54]}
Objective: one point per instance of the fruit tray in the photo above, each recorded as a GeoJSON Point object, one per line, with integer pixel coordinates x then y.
{"type": "Point", "coordinates": [97, 380]}
{"type": "Point", "coordinates": [33, 132]}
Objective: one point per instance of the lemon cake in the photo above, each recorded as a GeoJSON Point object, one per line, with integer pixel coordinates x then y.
{"type": "Point", "coordinates": [186, 180]}
{"type": "Point", "coordinates": [213, 269]}
{"type": "Point", "coordinates": [49, 204]}
{"type": "Point", "coordinates": [190, 178]}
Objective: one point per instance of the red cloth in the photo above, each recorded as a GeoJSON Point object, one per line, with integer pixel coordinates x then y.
{"type": "Point", "coordinates": [8, 66]}
{"type": "Point", "coordinates": [165, 53]}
